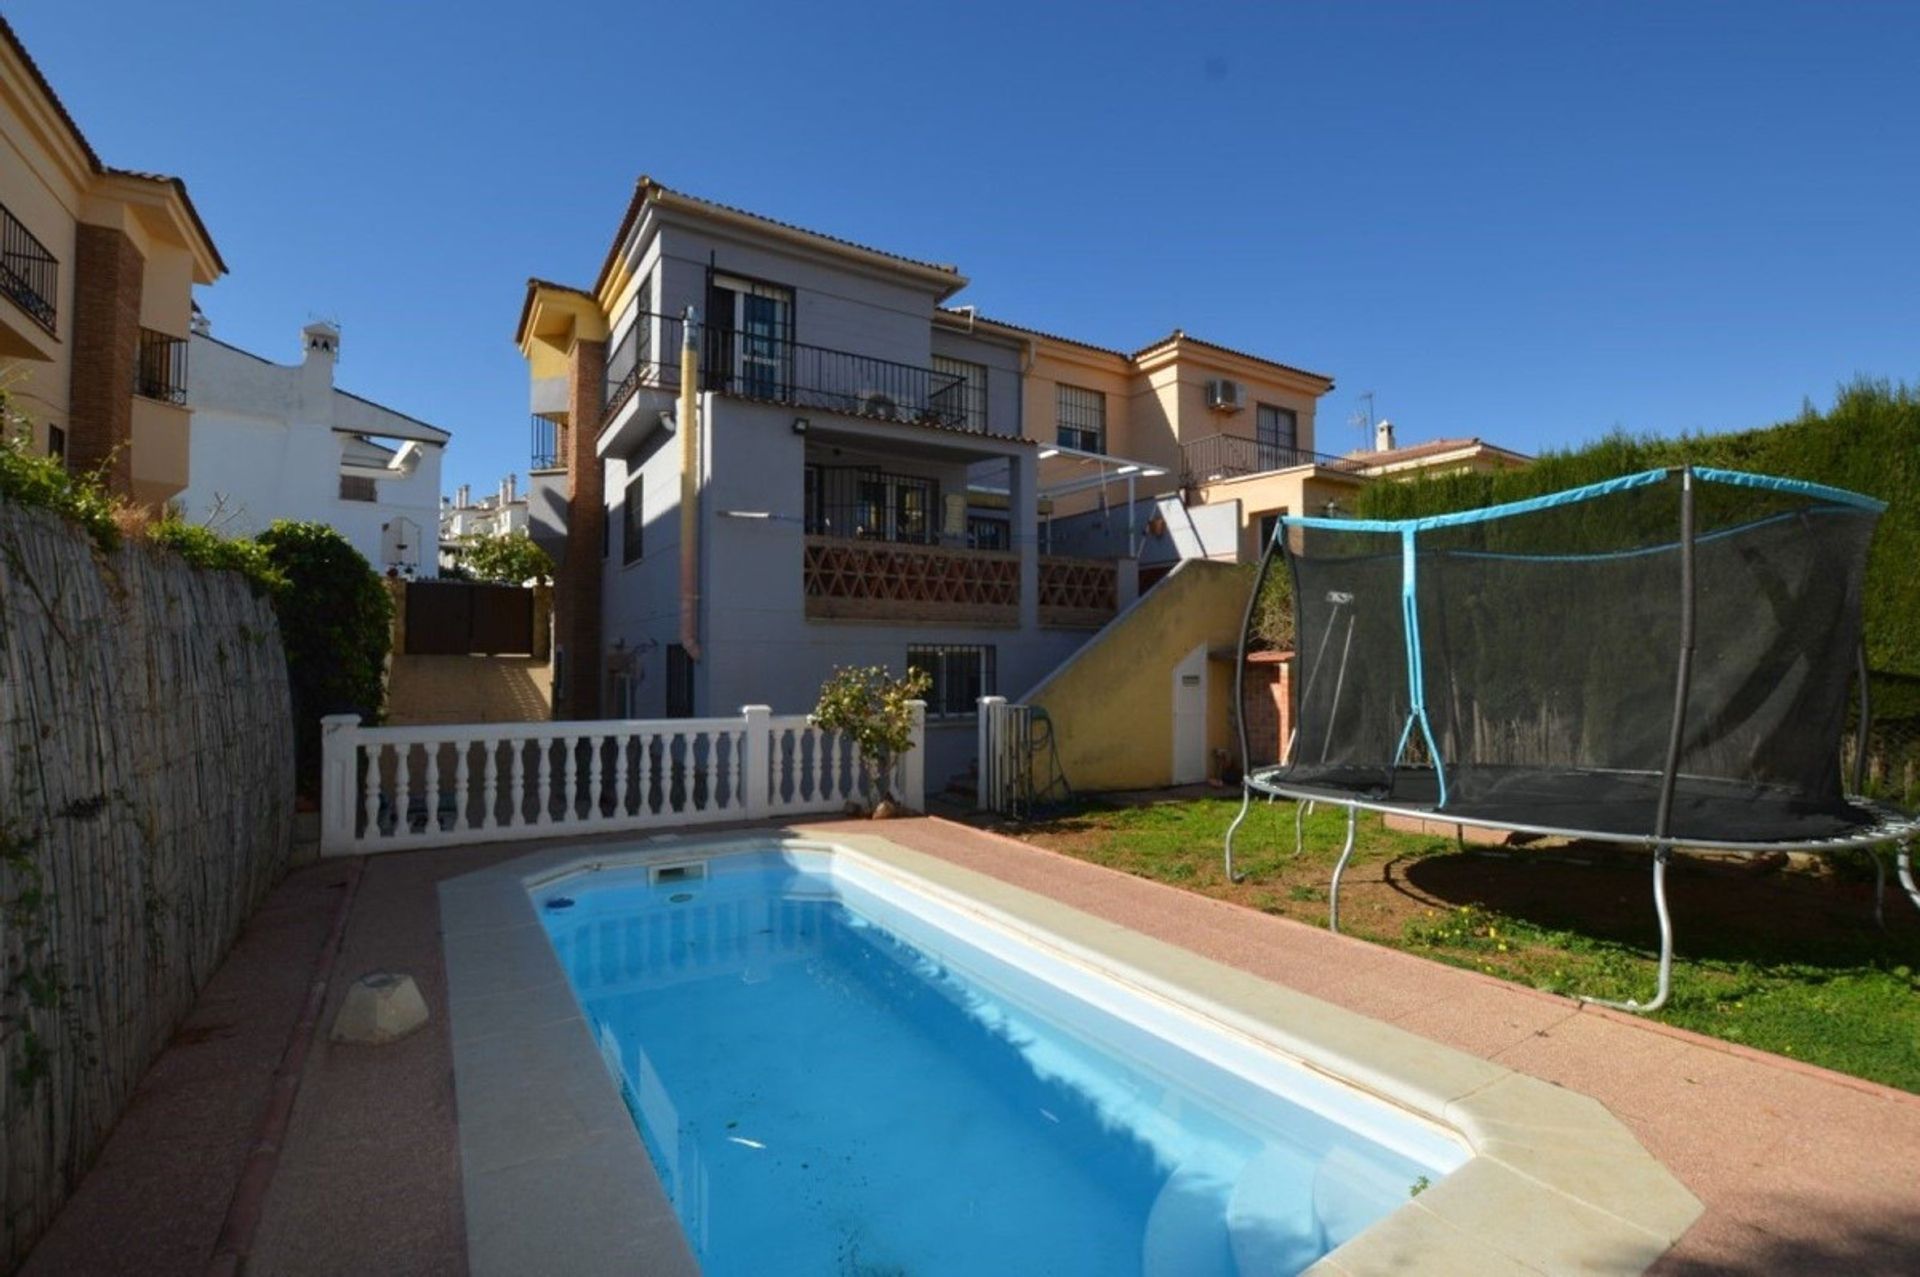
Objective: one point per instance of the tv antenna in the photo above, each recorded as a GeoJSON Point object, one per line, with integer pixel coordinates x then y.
{"type": "Point", "coordinates": [1362, 419]}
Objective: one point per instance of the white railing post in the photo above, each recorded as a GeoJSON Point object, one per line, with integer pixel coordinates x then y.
{"type": "Point", "coordinates": [339, 748]}
{"type": "Point", "coordinates": [756, 749]}
{"type": "Point", "coordinates": [913, 768]}
{"type": "Point", "coordinates": [987, 759]}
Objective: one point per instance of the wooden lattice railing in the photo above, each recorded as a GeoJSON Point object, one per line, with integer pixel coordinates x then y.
{"type": "Point", "coordinates": [1078, 592]}
{"type": "Point", "coordinates": [883, 581]}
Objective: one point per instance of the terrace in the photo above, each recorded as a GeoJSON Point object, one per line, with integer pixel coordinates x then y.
{"type": "Point", "coordinates": [1229, 456]}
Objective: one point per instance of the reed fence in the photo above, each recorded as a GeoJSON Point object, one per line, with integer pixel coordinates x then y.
{"type": "Point", "coordinates": [146, 782]}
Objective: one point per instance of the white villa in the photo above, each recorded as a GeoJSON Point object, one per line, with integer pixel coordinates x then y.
{"type": "Point", "coordinates": [273, 441]}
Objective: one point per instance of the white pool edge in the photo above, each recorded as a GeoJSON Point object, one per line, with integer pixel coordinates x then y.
{"type": "Point", "coordinates": [556, 1178]}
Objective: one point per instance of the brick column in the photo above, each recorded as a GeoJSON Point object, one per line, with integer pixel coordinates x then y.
{"type": "Point", "coordinates": [108, 272]}
{"type": "Point", "coordinates": [576, 592]}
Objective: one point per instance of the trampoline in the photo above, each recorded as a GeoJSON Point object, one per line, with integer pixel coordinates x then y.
{"type": "Point", "coordinates": [1658, 660]}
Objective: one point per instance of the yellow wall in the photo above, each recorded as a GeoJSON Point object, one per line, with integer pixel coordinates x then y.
{"type": "Point", "coordinates": [49, 185]}
{"type": "Point", "coordinates": [1112, 703]}
{"type": "Point", "coordinates": [1301, 490]}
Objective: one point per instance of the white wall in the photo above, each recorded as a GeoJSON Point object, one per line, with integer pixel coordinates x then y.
{"type": "Point", "coordinates": [264, 446]}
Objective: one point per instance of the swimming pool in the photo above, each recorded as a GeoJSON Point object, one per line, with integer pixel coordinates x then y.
{"type": "Point", "coordinates": [836, 1071]}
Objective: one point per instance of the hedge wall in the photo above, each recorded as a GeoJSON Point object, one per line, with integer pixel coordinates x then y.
{"type": "Point", "coordinates": [1869, 441]}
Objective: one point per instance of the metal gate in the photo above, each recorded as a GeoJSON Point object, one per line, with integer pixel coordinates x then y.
{"type": "Point", "coordinates": [457, 618]}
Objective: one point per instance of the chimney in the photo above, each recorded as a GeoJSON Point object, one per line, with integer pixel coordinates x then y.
{"type": "Point", "coordinates": [505, 486]}
{"type": "Point", "coordinates": [321, 342]}
{"type": "Point", "coordinates": [198, 324]}
{"type": "Point", "coordinates": [460, 495]}
{"type": "Point", "coordinates": [1383, 437]}
{"type": "Point", "coordinates": [513, 488]}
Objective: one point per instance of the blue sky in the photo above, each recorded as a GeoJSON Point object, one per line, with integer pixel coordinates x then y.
{"type": "Point", "coordinates": [1530, 222]}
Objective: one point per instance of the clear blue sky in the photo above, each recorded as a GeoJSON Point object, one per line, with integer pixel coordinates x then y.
{"type": "Point", "coordinates": [1528, 222]}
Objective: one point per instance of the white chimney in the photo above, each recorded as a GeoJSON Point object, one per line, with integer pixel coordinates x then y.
{"type": "Point", "coordinates": [513, 488]}
{"type": "Point", "coordinates": [321, 344]}
{"type": "Point", "coordinates": [1383, 437]}
{"type": "Point", "coordinates": [460, 495]}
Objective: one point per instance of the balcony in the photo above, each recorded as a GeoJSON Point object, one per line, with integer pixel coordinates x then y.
{"type": "Point", "coordinates": [773, 369]}
{"type": "Point", "coordinates": [29, 274]}
{"type": "Point", "coordinates": [1217, 457]}
{"type": "Point", "coordinates": [848, 579]}
{"type": "Point", "coordinates": [161, 370]}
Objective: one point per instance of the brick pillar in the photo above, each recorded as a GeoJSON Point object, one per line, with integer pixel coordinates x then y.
{"type": "Point", "coordinates": [576, 592]}
{"type": "Point", "coordinates": [107, 275]}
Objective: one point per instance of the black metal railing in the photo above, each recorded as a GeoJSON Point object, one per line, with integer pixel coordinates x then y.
{"type": "Point", "coordinates": [755, 365]}
{"type": "Point", "coordinates": [29, 274]}
{"type": "Point", "coordinates": [1228, 456]}
{"type": "Point", "coordinates": [546, 444]}
{"type": "Point", "coordinates": [872, 505]}
{"type": "Point", "coordinates": [161, 372]}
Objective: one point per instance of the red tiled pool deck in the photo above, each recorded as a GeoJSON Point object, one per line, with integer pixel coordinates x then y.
{"type": "Point", "coordinates": [1800, 1170]}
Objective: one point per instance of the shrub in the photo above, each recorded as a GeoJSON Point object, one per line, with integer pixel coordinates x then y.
{"type": "Point", "coordinates": [336, 622]}
{"type": "Point", "coordinates": [870, 706]}
{"type": "Point", "coordinates": [28, 479]}
{"type": "Point", "coordinates": [205, 548]}
{"type": "Point", "coordinates": [510, 560]}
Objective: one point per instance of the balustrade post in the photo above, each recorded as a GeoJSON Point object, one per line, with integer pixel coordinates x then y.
{"type": "Point", "coordinates": [339, 750]}
{"type": "Point", "coordinates": [985, 761]}
{"type": "Point", "coordinates": [752, 767]}
{"type": "Point", "coordinates": [913, 769]}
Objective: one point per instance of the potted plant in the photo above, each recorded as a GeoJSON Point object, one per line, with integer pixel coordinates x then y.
{"type": "Point", "coordinates": [875, 711]}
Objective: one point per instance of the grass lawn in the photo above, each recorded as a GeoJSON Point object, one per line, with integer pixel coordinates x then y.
{"type": "Point", "coordinates": [1788, 961]}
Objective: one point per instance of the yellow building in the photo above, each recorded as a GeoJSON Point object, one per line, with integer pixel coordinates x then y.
{"type": "Point", "coordinates": [97, 268]}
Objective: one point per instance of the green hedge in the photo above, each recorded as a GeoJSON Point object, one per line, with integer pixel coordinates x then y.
{"type": "Point", "coordinates": [1869, 441]}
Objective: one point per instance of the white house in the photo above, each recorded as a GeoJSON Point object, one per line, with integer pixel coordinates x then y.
{"type": "Point", "coordinates": [272, 441]}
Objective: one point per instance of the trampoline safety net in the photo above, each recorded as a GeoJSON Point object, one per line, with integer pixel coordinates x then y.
{"type": "Point", "coordinates": [1520, 664]}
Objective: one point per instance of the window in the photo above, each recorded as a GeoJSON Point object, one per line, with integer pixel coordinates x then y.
{"type": "Point", "coordinates": [1081, 416]}
{"type": "Point", "coordinates": [750, 327]}
{"type": "Point", "coordinates": [631, 522]}
{"type": "Point", "coordinates": [966, 401]}
{"type": "Point", "coordinates": [988, 532]}
{"type": "Point", "coordinates": [679, 682]}
{"type": "Point", "coordinates": [56, 443]}
{"type": "Point", "coordinates": [872, 505]}
{"type": "Point", "coordinates": [961, 676]}
{"type": "Point", "coordinates": [357, 487]}
{"type": "Point", "coordinates": [1277, 436]}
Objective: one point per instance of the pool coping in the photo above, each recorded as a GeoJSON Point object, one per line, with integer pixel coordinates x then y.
{"type": "Point", "coordinates": [556, 1178]}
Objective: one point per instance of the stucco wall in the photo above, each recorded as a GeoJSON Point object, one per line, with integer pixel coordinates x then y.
{"type": "Point", "coordinates": [1112, 704]}
{"type": "Point", "coordinates": [264, 447]}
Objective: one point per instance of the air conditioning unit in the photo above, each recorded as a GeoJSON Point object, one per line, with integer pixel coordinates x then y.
{"type": "Point", "coordinates": [1225, 396]}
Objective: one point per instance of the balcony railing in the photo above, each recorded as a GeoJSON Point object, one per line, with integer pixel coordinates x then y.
{"type": "Point", "coordinates": [545, 452]}
{"type": "Point", "coordinates": [1078, 593]}
{"type": "Point", "coordinates": [1228, 456]}
{"type": "Point", "coordinates": [879, 581]}
{"type": "Point", "coordinates": [756, 365]}
{"type": "Point", "coordinates": [29, 274]}
{"type": "Point", "coordinates": [161, 372]}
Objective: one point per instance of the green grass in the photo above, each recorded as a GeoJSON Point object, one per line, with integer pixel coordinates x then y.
{"type": "Point", "coordinates": [1789, 962]}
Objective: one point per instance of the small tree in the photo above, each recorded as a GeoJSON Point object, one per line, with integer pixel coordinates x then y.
{"type": "Point", "coordinates": [509, 560]}
{"type": "Point", "coordinates": [873, 709]}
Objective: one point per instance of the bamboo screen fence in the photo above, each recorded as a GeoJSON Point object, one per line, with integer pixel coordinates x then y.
{"type": "Point", "coordinates": [146, 782]}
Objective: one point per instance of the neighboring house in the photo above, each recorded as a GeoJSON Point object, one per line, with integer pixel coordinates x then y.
{"type": "Point", "coordinates": [870, 476]}
{"type": "Point", "coordinates": [97, 268]}
{"type": "Point", "coordinates": [275, 441]}
{"type": "Point", "coordinates": [498, 514]}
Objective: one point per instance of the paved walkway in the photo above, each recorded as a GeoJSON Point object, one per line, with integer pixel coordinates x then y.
{"type": "Point", "coordinates": [1800, 1170]}
{"type": "Point", "coordinates": [468, 689]}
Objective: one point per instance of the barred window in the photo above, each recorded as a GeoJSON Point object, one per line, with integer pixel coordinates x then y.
{"type": "Point", "coordinates": [989, 532]}
{"type": "Point", "coordinates": [1081, 416]}
{"type": "Point", "coordinates": [631, 522]}
{"type": "Point", "coordinates": [969, 398]}
{"type": "Point", "coordinates": [358, 487]}
{"type": "Point", "coordinates": [961, 675]}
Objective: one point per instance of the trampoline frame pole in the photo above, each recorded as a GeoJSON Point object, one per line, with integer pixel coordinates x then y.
{"type": "Point", "coordinates": [1339, 868]}
{"type": "Point", "coordinates": [1676, 741]}
{"type": "Point", "coordinates": [1240, 690]}
{"type": "Point", "coordinates": [1903, 862]}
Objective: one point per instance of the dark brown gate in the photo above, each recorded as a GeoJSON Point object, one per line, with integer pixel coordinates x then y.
{"type": "Point", "coordinates": [458, 618]}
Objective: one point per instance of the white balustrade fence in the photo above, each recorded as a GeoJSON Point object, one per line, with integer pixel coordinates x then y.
{"type": "Point", "coordinates": [388, 788]}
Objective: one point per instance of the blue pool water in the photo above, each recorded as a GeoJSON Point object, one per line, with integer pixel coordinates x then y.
{"type": "Point", "coordinates": [834, 1074]}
